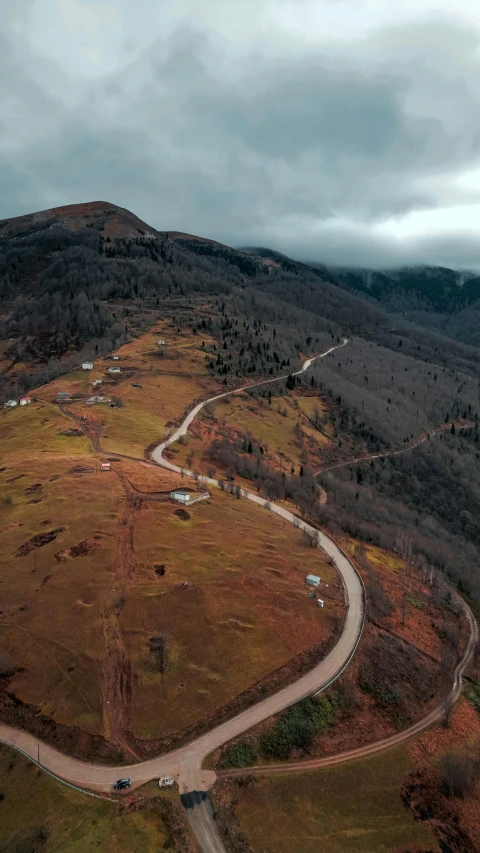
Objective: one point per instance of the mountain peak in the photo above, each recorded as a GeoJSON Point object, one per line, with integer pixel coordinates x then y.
{"type": "Point", "coordinates": [109, 219]}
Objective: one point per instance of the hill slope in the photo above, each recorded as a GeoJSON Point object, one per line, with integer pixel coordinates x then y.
{"type": "Point", "coordinates": [76, 281]}
{"type": "Point", "coordinates": [439, 298]}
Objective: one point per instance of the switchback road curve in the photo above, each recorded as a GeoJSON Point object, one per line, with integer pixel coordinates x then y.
{"type": "Point", "coordinates": [184, 764]}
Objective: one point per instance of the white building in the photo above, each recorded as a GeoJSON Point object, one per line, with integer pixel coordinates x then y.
{"type": "Point", "coordinates": [320, 602]}
{"type": "Point", "coordinates": [312, 580]}
{"type": "Point", "coordinates": [181, 495]}
{"type": "Point", "coordinates": [114, 370]}
{"type": "Point", "coordinates": [24, 401]}
{"type": "Point", "coordinates": [96, 399]}
{"type": "Point", "coordinates": [115, 357]}
{"type": "Point", "coordinates": [87, 365]}
{"type": "Point", "coordinates": [10, 404]}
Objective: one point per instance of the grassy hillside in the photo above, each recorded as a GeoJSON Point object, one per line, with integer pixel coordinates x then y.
{"type": "Point", "coordinates": [40, 815]}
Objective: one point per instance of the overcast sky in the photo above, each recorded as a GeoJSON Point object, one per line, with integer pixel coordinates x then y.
{"type": "Point", "coordinates": [344, 131]}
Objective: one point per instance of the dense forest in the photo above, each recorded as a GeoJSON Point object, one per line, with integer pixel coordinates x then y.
{"type": "Point", "coordinates": [431, 495]}
{"type": "Point", "coordinates": [438, 298]}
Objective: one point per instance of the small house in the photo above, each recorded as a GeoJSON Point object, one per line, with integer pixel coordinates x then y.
{"type": "Point", "coordinates": [24, 401]}
{"type": "Point", "coordinates": [114, 370]}
{"type": "Point", "coordinates": [95, 399]}
{"type": "Point", "coordinates": [105, 466]}
{"type": "Point", "coordinates": [312, 580]}
{"type": "Point", "coordinates": [161, 343]}
{"type": "Point", "coordinates": [183, 496]}
{"type": "Point", "coordinates": [62, 396]}
{"type": "Point", "coordinates": [10, 404]}
{"type": "Point", "coordinates": [115, 357]}
{"type": "Point", "coordinates": [320, 602]}
{"type": "Point", "coordinates": [96, 382]}
{"type": "Point", "coordinates": [87, 365]}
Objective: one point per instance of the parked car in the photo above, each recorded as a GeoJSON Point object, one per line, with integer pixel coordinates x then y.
{"type": "Point", "coordinates": [121, 783]}
{"type": "Point", "coordinates": [136, 385]}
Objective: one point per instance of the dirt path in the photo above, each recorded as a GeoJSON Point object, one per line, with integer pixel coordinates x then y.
{"type": "Point", "coordinates": [116, 686]}
{"type": "Point", "coordinates": [418, 441]}
{"type": "Point", "coordinates": [116, 672]}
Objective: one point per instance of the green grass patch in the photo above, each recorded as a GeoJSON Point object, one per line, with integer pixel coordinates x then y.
{"type": "Point", "coordinates": [43, 815]}
{"type": "Point", "coordinates": [415, 602]}
{"type": "Point", "coordinates": [473, 694]}
{"type": "Point", "coordinates": [351, 808]}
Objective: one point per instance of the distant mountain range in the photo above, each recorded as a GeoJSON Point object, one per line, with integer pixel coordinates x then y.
{"type": "Point", "coordinates": [64, 271]}
{"type": "Point", "coordinates": [438, 297]}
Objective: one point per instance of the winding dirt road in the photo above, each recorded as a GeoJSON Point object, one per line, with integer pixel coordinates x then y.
{"type": "Point", "coordinates": [185, 763]}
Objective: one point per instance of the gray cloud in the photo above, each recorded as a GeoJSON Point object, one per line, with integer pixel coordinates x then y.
{"type": "Point", "coordinates": [308, 150]}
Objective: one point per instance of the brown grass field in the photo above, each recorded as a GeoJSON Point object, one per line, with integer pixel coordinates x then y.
{"type": "Point", "coordinates": [43, 598]}
{"type": "Point", "coordinates": [244, 614]}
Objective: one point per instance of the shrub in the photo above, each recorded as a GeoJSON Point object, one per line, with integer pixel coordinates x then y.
{"type": "Point", "coordinates": [473, 694]}
{"type": "Point", "coordinates": [381, 691]}
{"type": "Point", "coordinates": [298, 726]}
{"type": "Point", "coordinates": [241, 754]}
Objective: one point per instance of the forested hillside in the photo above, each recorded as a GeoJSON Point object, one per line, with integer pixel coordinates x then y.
{"type": "Point", "coordinates": [73, 276]}
{"type": "Point", "coordinates": [80, 280]}
{"type": "Point", "coordinates": [438, 298]}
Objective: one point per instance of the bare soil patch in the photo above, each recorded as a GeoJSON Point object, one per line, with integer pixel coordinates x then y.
{"type": "Point", "coordinates": [34, 487]}
{"type": "Point", "coordinates": [85, 547]}
{"type": "Point", "coordinates": [11, 525]}
{"type": "Point", "coordinates": [38, 541]}
{"type": "Point", "coordinates": [182, 513]}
